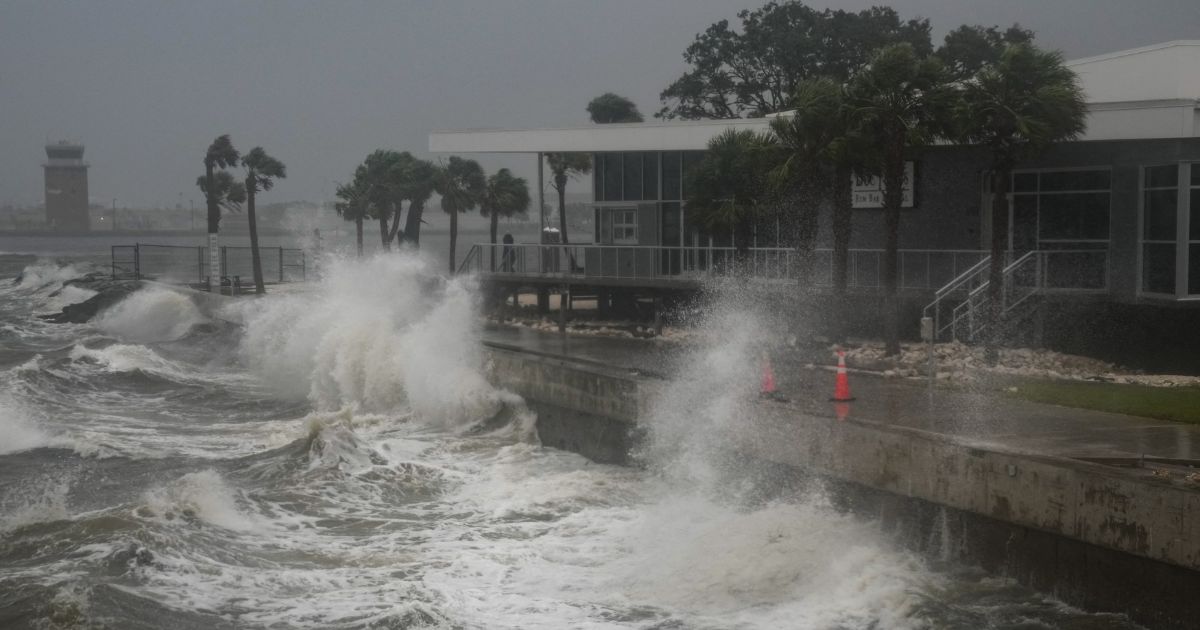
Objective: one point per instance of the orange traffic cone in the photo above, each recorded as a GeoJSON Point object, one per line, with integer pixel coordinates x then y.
{"type": "Point", "coordinates": [841, 391]}
{"type": "Point", "coordinates": [768, 376]}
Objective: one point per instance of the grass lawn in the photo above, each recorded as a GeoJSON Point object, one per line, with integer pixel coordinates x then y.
{"type": "Point", "coordinates": [1178, 404]}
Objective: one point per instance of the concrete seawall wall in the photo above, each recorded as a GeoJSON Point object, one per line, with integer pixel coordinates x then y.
{"type": "Point", "coordinates": [1099, 537]}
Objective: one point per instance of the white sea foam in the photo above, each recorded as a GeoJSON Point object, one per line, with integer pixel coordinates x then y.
{"type": "Point", "coordinates": [384, 334]}
{"type": "Point", "coordinates": [19, 430]}
{"type": "Point", "coordinates": [203, 495]}
{"type": "Point", "coordinates": [150, 315]}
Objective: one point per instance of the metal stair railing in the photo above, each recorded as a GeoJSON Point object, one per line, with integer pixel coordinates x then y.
{"type": "Point", "coordinates": [473, 261]}
{"type": "Point", "coordinates": [969, 280]}
{"type": "Point", "coordinates": [1022, 280]}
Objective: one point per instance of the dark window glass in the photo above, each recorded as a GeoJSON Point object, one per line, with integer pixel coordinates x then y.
{"type": "Point", "coordinates": [650, 176]}
{"type": "Point", "coordinates": [670, 224]}
{"type": "Point", "coordinates": [1074, 180]}
{"type": "Point", "coordinates": [612, 176]}
{"type": "Point", "coordinates": [1196, 174]}
{"type": "Point", "coordinates": [633, 176]}
{"type": "Point", "coordinates": [1074, 216]}
{"type": "Point", "coordinates": [1158, 268]}
{"type": "Point", "coordinates": [1194, 220]}
{"type": "Point", "coordinates": [1024, 222]}
{"type": "Point", "coordinates": [1159, 220]}
{"type": "Point", "coordinates": [1162, 176]}
{"type": "Point", "coordinates": [598, 178]}
{"type": "Point", "coordinates": [1023, 182]}
{"type": "Point", "coordinates": [1194, 269]}
{"type": "Point", "coordinates": [690, 159]}
{"type": "Point", "coordinates": [671, 176]}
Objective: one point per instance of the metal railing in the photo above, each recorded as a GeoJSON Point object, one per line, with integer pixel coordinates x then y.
{"type": "Point", "coordinates": [1034, 273]}
{"type": "Point", "coordinates": [921, 269]}
{"type": "Point", "coordinates": [183, 264]}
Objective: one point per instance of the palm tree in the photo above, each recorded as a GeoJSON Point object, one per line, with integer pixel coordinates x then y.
{"type": "Point", "coordinates": [564, 167]}
{"type": "Point", "coordinates": [261, 172]}
{"type": "Point", "coordinates": [418, 188]}
{"type": "Point", "coordinates": [505, 196]}
{"type": "Point", "coordinates": [461, 185]}
{"type": "Point", "coordinates": [823, 152]}
{"type": "Point", "coordinates": [1017, 108]}
{"type": "Point", "coordinates": [354, 206]}
{"type": "Point", "coordinates": [378, 172]}
{"type": "Point", "coordinates": [728, 188]}
{"type": "Point", "coordinates": [900, 100]}
{"type": "Point", "coordinates": [220, 155]}
{"type": "Point", "coordinates": [613, 108]}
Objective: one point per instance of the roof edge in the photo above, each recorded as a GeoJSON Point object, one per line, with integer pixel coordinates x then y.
{"type": "Point", "coordinates": [1134, 51]}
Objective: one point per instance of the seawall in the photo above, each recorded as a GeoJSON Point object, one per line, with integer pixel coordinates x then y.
{"type": "Point", "coordinates": [1099, 537]}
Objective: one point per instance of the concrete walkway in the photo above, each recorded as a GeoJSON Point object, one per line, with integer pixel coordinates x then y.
{"type": "Point", "coordinates": [1009, 423]}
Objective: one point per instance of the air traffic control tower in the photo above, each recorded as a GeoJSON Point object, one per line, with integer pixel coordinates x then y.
{"type": "Point", "coordinates": [66, 187]}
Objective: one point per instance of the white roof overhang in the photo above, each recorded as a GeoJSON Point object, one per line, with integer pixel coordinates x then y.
{"type": "Point", "coordinates": [654, 136]}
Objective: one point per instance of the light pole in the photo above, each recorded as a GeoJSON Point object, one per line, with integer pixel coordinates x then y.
{"type": "Point", "coordinates": [114, 215]}
{"type": "Point", "coordinates": [192, 213]}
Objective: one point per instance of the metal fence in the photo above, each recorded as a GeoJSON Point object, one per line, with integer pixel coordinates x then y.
{"type": "Point", "coordinates": [181, 264]}
{"type": "Point", "coordinates": [924, 269]}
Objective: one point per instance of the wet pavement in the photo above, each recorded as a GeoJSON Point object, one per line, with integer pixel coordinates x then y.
{"type": "Point", "coordinates": [981, 416]}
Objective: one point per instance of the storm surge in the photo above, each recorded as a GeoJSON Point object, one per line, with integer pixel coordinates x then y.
{"type": "Point", "coordinates": [332, 456]}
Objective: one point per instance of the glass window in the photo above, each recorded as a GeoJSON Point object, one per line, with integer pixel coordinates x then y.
{"type": "Point", "coordinates": [612, 176]}
{"type": "Point", "coordinates": [690, 159]}
{"type": "Point", "coordinates": [1074, 180]}
{"type": "Point", "coordinates": [1159, 222]}
{"type": "Point", "coordinates": [1074, 216]}
{"type": "Point", "coordinates": [598, 178]}
{"type": "Point", "coordinates": [650, 176]}
{"type": "Point", "coordinates": [1166, 176]}
{"type": "Point", "coordinates": [1196, 174]}
{"type": "Point", "coordinates": [624, 226]}
{"type": "Point", "coordinates": [1158, 268]}
{"type": "Point", "coordinates": [671, 182]}
{"type": "Point", "coordinates": [633, 176]}
{"type": "Point", "coordinates": [1194, 218]}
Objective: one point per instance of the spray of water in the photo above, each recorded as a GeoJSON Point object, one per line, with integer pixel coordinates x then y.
{"type": "Point", "coordinates": [384, 335]}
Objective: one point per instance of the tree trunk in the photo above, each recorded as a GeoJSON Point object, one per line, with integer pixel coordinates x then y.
{"type": "Point", "coordinates": [214, 222]}
{"type": "Point", "coordinates": [383, 232]}
{"type": "Point", "coordinates": [495, 229]}
{"type": "Point", "coordinates": [412, 224]}
{"type": "Point", "coordinates": [893, 194]}
{"type": "Point", "coordinates": [843, 212]}
{"type": "Point", "coordinates": [453, 238]}
{"type": "Point", "coordinates": [255, 260]}
{"type": "Point", "coordinates": [560, 184]}
{"type": "Point", "coordinates": [741, 238]}
{"type": "Point", "coordinates": [1001, 177]}
{"type": "Point", "coordinates": [395, 227]}
{"type": "Point", "coordinates": [358, 232]}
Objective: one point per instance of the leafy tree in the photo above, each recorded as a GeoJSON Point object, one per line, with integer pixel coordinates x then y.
{"type": "Point", "coordinates": [261, 172]}
{"type": "Point", "coordinates": [227, 192]}
{"type": "Point", "coordinates": [415, 186]}
{"type": "Point", "coordinates": [220, 155]}
{"type": "Point", "coordinates": [970, 48]}
{"type": "Point", "coordinates": [899, 101]}
{"type": "Point", "coordinates": [505, 196]}
{"type": "Point", "coordinates": [563, 168]}
{"type": "Point", "coordinates": [378, 172]}
{"type": "Point", "coordinates": [729, 187]}
{"type": "Point", "coordinates": [353, 205]}
{"type": "Point", "coordinates": [613, 108]}
{"type": "Point", "coordinates": [756, 70]}
{"type": "Point", "coordinates": [461, 184]}
{"type": "Point", "coordinates": [1017, 107]}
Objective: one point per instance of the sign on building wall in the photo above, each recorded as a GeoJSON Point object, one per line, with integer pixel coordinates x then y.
{"type": "Point", "coordinates": [867, 190]}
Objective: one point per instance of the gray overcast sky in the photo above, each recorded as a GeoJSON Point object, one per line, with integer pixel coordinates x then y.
{"type": "Point", "coordinates": [146, 85]}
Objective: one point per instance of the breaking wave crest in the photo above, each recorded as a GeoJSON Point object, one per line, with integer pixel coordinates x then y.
{"type": "Point", "coordinates": [381, 335]}
{"type": "Point", "coordinates": [150, 315]}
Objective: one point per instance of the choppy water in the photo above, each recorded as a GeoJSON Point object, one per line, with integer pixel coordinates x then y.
{"type": "Point", "coordinates": [336, 460]}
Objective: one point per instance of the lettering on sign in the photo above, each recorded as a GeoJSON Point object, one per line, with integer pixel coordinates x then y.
{"type": "Point", "coordinates": [867, 190]}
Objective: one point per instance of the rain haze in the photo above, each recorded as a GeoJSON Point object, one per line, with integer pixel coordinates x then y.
{"type": "Point", "coordinates": [147, 85]}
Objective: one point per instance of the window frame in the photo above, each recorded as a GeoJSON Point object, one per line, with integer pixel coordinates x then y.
{"type": "Point", "coordinates": [1181, 241]}
{"type": "Point", "coordinates": [1039, 193]}
{"type": "Point", "coordinates": [629, 230]}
